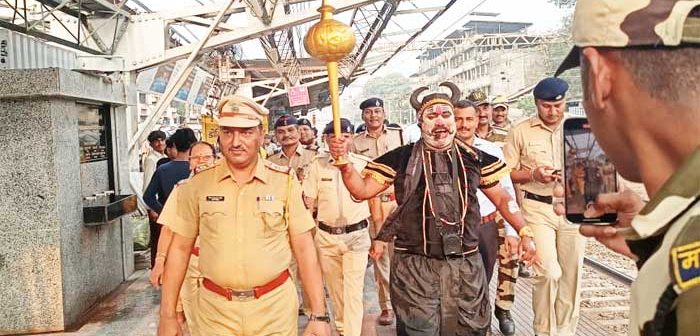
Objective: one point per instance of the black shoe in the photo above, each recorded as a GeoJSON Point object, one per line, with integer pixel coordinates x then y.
{"type": "Point", "coordinates": [525, 271]}
{"type": "Point", "coordinates": [505, 321]}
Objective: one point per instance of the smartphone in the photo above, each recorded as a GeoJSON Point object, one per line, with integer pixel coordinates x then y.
{"type": "Point", "coordinates": [587, 173]}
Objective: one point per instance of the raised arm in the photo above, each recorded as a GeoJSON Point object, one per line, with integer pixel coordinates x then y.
{"type": "Point", "coordinates": [377, 176]}
{"type": "Point", "coordinates": [359, 187]}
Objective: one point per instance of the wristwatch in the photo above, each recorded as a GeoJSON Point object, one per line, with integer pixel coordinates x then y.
{"type": "Point", "coordinates": [322, 318]}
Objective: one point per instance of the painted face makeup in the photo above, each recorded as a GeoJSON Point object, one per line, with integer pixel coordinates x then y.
{"type": "Point", "coordinates": [438, 126]}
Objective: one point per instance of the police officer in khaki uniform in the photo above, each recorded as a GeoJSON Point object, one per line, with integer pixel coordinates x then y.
{"type": "Point", "coordinates": [295, 156]}
{"type": "Point", "coordinates": [293, 153]}
{"type": "Point", "coordinates": [307, 134]}
{"type": "Point", "coordinates": [640, 65]}
{"type": "Point", "coordinates": [376, 140]}
{"type": "Point", "coordinates": [485, 110]}
{"type": "Point", "coordinates": [534, 151]}
{"type": "Point", "coordinates": [244, 208]}
{"type": "Point", "coordinates": [342, 239]}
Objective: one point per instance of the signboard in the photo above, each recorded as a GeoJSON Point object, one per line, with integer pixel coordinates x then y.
{"type": "Point", "coordinates": [193, 91]}
{"type": "Point", "coordinates": [91, 134]}
{"type": "Point", "coordinates": [298, 96]}
{"type": "Point", "coordinates": [210, 129]}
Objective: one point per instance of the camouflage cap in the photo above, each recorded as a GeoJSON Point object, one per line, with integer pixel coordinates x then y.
{"type": "Point", "coordinates": [500, 101]}
{"type": "Point", "coordinates": [478, 97]}
{"type": "Point", "coordinates": [632, 23]}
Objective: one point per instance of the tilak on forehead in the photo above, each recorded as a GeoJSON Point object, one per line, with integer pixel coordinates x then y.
{"type": "Point", "coordinates": [435, 100]}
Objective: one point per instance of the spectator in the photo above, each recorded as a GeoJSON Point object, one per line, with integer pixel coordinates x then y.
{"type": "Point", "coordinates": [164, 180]}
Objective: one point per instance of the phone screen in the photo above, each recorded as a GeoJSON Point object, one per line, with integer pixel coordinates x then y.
{"type": "Point", "coordinates": [587, 173]}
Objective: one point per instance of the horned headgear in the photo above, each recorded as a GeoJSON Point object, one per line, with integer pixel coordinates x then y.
{"type": "Point", "coordinates": [434, 98]}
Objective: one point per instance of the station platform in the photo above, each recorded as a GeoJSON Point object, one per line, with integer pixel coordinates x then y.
{"type": "Point", "coordinates": [132, 309]}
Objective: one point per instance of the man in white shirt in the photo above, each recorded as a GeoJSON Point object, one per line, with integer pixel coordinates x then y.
{"type": "Point", "coordinates": [467, 120]}
{"type": "Point", "coordinates": [156, 140]}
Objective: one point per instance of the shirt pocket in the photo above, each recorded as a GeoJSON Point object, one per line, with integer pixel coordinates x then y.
{"type": "Point", "coordinates": [212, 216]}
{"type": "Point", "coordinates": [271, 214]}
{"type": "Point", "coordinates": [538, 153]}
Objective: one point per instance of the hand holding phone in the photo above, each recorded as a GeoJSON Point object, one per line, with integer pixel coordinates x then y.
{"type": "Point", "coordinates": [587, 173]}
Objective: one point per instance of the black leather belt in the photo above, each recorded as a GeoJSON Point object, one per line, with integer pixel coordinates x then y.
{"type": "Point", "coordinates": [337, 230]}
{"type": "Point", "coordinates": [538, 198]}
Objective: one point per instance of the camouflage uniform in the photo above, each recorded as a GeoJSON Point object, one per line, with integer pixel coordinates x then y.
{"type": "Point", "coordinates": [665, 235]}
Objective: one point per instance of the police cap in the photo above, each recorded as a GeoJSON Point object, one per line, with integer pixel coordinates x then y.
{"type": "Point", "coordinates": [285, 120]}
{"type": "Point", "coordinates": [372, 102]}
{"type": "Point", "coordinates": [240, 111]}
{"type": "Point", "coordinates": [550, 89]}
{"type": "Point", "coordinates": [345, 127]}
{"type": "Point", "coordinates": [304, 122]}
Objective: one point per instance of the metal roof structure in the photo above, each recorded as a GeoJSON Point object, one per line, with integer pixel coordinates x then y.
{"type": "Point", "coordinates": [123, 37]}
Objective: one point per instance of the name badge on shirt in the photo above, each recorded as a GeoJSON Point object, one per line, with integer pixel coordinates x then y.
{"type": "Point", "coordinates": [326, 179]}
{"type": "Point", "coordinates": [686, 265]}
{"type": "Point", "coordinates": [215, 198]}
{"type": "Point", "coordinates": [267, 198]}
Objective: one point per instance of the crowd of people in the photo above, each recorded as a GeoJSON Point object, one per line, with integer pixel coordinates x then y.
{"type": "Point", "coordinates": [248, 242]}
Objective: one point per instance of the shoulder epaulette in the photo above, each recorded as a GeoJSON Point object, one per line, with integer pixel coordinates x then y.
{"type": "Point", "coordinates": [394, 127]}
{"type": "Point", "coordinates": [499, 130]}
{"type": "Point", "coordinates": [312, 151]}
{"type": "Point", "coordinates": [276, 167]}
{"type": "Point", "coordinates": [202, 168]}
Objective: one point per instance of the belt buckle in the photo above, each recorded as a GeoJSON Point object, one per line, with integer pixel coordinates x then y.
{"type": "Point", "coordinates": [338, 230]}
{"type": "Point", "coordinates": [242, 296]}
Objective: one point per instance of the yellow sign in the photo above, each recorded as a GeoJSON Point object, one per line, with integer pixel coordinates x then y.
{"type": "Point", "coordinates": [210, 129]}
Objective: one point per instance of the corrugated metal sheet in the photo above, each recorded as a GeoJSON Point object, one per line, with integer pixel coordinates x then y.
{"type": "Point", "coordinates": [20, 51]}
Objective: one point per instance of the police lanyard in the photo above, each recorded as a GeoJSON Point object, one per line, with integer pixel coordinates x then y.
{"type": "Point", "coordinates": [429, 185]}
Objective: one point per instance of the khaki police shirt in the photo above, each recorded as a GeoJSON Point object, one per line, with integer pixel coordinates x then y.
{"type": "Point", "coordinates": [532, 144]}
{"type": "Point", "coordinates": [674, 207]}
{"type": "Point", "coordinates": [367, 145]}
{"type": "Point", "coordinates": [243, 228]}
{"type": "Point", "coordinates": [325, 185]}
{"type": "Point", "coordinates": [298, 162]}
{"type": "Point", "coordinates": [371, 147]}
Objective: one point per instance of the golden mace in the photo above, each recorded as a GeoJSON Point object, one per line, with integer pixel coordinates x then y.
{"type": "Point", "coordinates": [330, 40]}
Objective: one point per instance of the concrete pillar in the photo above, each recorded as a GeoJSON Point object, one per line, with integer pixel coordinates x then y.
{"type": "Point", "coordinates": [53, 268]}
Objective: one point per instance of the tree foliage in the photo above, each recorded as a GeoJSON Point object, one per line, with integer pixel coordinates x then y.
{"type": "Point", "coordinates": [395, 90]}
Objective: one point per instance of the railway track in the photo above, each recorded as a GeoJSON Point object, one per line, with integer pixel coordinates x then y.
{"type": "Point", "coordinates": [605, 295]}
{"type": "Point", "coordinates": [610, 271]}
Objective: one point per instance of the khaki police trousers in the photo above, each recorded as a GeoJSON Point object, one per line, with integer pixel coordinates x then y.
{"type": "Point", "coordinates": [556, 293]}
{"type": "Point", "coordinates": [188, 294]}
{"type": "Point", "coordinates": [382, 266]}
{"type": "Point", "coordinates": [344, 262]}
{"type": "Point", "coordinates": [274, 313]}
